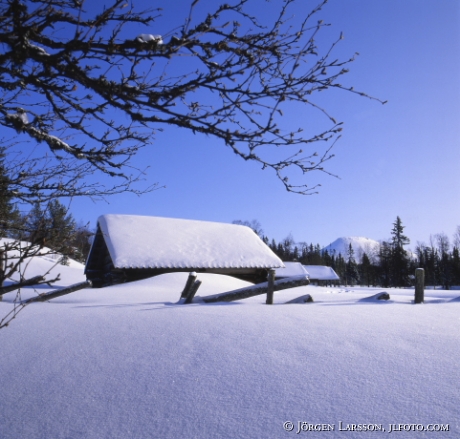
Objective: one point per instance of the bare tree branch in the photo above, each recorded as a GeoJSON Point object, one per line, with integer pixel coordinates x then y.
{"type": "Point", "coordinates": [97, 94]}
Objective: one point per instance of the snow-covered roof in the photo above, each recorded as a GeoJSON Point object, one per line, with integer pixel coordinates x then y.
{"type": "Point", "coordinates": [291, 269]}
{"type": "Point", "coordinates": [321, 272]}
{"type": "Point", "coordinates": [171, 243]}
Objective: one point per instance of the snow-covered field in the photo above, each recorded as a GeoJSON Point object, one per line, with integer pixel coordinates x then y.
{"type": "Point", "coordinates": [128, 362]}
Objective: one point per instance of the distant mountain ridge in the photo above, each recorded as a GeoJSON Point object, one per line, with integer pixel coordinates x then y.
{"type": "Point", "coordinates": [359, 244]}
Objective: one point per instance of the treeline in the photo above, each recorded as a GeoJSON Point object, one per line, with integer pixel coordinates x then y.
{"type": "Point", "coordinates": [389, 265]}
{"type": "Point", "coordinates": [49, 225]}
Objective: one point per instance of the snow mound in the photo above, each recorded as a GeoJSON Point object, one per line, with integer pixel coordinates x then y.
{"type": "Point", "coordinates": [168, 287]}
{"type": "Point", "coordinates": [44, 264]}
{"type": "Point", "coordinates": [126, 362]}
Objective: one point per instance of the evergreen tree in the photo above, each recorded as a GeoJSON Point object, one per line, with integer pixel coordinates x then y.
{"type": "Point", "coordinates": [82, 243]}
{"type": "Point", "coordinates": [317, 257]}
{"type": "Point", "coordinates": [280, 251]}
{"type": "Point", "coordinates": [444, 261]}
{"type": "Point", "coordinates": [432, 260]}
{"type": "Point", "coordinates": [341, 267]}
{"type": "Point", "coordinates": [352, 275]}
{"type": "Point", "coordinates": [10, 218]}
{"type": "Point", "coordinates": [273, 246]}
{"type": "Point", "coordinates": [327, 259]}
{"type": "Point", "coordinates": [37, 225]}
{"type": "Point", "coordinates": [399, 256]}
{"type": "Point", "coordinates": [456, 258]}
{"type": "Point", "coordinates": [62, 228]}
{"type": "Point", "coordinates": [456, 266]}
{"type": "Point", "coordinates": [366, 270]}
{"type": "Point", "coordinates": [311, 254]}
{"type": "Point", "coordinates": [295, 254]}
{"type": "Point", "coordinates": [53, 227]}
{"type": "Point", "coordinates": [385, 264]}
{"type": "Point", "coordinates": [304, 253]}
{"type": "Point", "coordinates": [456, 241]}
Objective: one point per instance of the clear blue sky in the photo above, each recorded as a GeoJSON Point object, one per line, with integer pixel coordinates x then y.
{"type": "Point", "coordinates": [402, 158]}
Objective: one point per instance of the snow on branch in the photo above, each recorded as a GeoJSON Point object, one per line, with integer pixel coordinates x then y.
{"type": "Point", "coordinates": [147, 38]}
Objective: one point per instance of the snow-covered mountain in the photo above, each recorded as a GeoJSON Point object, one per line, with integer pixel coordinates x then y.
{"type": "Point", "coordinates": [359, 244]}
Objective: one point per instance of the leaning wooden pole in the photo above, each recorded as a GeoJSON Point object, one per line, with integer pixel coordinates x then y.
{"type": "Point", "coordinates": [190, 281]}
{"type": "Point", "coordinates": [192, 291]}
{"type": "Point", "coordinates": [419, 285]}
{"type": "Point", "coordinates": [61, 292]}
{"type": "Point", "coordinates": [258, 289]}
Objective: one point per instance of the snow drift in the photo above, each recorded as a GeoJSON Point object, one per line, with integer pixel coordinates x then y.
{"type": "Point", "coordinates": [127, 362]}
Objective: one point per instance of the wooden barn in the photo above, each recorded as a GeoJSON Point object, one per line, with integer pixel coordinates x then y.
{"type": "Point", "coordinates": [129, 247]}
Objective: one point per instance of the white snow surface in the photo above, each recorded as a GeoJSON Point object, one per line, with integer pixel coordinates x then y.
{"type": "Point", "coordinates": [321, 272]}
{"type": "Point", "coordinates": [127, 362]}
{"type": "Point", "coordinates": [47, 263]}
{"type": "Point", "coordinates": [291, 269]}
{"type": "Point", "coordinates": [156, 242]}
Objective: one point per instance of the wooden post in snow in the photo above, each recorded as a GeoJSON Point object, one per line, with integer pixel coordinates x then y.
{"type": "Point", "coordinates": [190, 281]}
{"type": "Point", "coordinates": [419, 285]}
{"type": "Point", "coordinates": [270, 287]}
{"type": "Point", "coordinates": [192, 291]}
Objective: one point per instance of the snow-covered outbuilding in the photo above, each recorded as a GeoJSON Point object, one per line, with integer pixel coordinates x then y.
{"type": "Point", "coordinates": [322, 274]}
{"type": "Point", "coordinates": [318, 274]}
{"type": "Point", "coordinates": [130, 247]}
{"type": "Point", "coordinates": [290, 269]}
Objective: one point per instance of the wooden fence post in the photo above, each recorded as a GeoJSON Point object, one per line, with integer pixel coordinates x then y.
{"type": "Point", "coordinates": [271, 286]}
{"type": "Point", "coordinates": [190, 281]}
{"type": "Point", "coordinates": [419, 285]}
{"type": "Point", "coordinates": [192, 291]}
